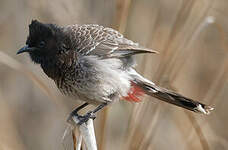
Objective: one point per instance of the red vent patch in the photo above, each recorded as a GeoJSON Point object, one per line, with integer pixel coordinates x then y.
{"type": "Point", "coordinates": [134, 93]}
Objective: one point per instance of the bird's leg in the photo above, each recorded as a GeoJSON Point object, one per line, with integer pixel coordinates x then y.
{"type": "Point", "coordinates": [99, 107]}
{"type": "Point", "coordinates": [75, 112]}
{"type": "Point", "coordinates": [90, 114]}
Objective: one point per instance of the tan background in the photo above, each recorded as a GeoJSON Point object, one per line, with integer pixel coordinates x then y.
{"type": "Point", "coordinates": [192, 38]}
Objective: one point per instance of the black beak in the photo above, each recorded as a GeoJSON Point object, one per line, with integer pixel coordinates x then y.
{"type": "Point", "coordinates": [26, 48]}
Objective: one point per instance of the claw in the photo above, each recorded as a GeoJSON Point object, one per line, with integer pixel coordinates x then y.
{"type": "Point", "coordinates": [81, 119]}
{"type": "Point", "coordinates": [86, 117]}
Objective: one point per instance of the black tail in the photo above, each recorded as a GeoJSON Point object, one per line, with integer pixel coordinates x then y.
{"type": "Point", "coordinates": [173, 98]}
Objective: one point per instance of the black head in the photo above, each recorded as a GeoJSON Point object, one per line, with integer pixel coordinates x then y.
{"type": "Point", "coordinates": [42, 42]}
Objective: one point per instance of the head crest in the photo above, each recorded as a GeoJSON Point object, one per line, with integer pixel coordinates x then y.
{"type": "Point", "coordinates": [37, 28]}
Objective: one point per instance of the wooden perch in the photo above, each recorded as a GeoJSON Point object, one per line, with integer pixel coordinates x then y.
{"type": "Point", "coordinates": [83, 133]}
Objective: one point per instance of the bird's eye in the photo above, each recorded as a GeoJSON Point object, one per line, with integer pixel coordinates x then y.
{"type": "Point", "coordinates": [42, 44]}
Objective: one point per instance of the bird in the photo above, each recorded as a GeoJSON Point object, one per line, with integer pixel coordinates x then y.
{"type": "Point", "coordinates": [96, 65]}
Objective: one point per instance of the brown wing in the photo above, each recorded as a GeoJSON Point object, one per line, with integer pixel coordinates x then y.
{"type": "Point", "coordinates": [98, 40]}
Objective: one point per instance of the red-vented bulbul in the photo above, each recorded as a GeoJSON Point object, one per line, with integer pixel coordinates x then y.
{"type": "Point", "coordinates": [95, 64]}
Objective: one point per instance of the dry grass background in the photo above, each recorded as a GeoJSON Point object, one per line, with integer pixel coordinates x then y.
{"type": "Point", "coordinates": [192, 38]}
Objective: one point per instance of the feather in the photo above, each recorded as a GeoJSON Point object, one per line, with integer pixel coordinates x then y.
{"type": "Point", "coordinates": [134, 93]}
{"type": "Point", "coordinates": [98, 40]}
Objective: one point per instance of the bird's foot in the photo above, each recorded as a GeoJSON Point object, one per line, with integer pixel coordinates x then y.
{"type": "Point", "coordinates": [79, 119]}
{"type": "Point", "coordinates": [82, 119]}
{"type": "Point", "coordinates": [86, 117]}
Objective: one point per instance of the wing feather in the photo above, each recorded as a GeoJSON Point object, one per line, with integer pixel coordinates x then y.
{"type": "Point", "coordinates": [93, 39]}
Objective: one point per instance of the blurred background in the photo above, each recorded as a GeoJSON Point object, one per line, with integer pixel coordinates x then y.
{"type": "Point", "coordinates": [192, 38]}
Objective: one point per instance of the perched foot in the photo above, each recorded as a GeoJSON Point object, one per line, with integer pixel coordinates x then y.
{"type": "Point", "coordinates": [86, 117]}
{"type": "Point", "coordinates": [81, 119]}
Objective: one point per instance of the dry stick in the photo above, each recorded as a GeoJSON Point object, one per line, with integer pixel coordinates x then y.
{"type": "Point", "coordinates": [202, 137]}
{"type": "Point", "coordinates": [162, 67]}
{"type": "Point", "coordinates": [103, 128]}
{"type": "Point", "coordinates": [79, 143]}
{"type": "Point", "coordinates": [199, 132]}
{"type": "Point", "coordinates": [168, 64]}
{"type": "Point", "coordinates": [134, 138]}
{"type": "Point", "coordinates": [181, 48]}
{"type": "Point", "coordinates": [132, 125]}
{"type": "Point", "coordinates": [121, 16]}
{"type": "Point", "coordinates": [196, 126]}
{"type": "Point", "coordinates": [173, 34]}
{"type": "Point", "coordinates": [74, 140]}
{"type": "Point", "coordinates": [185, 7]}
{"type": "Point", "coordinates": [168, 51]}
{"type": "Point", "coordinates": [200, 27]}
{"type": "Point", "coordinates": [216, 86]}
{"type": "Point", "coordinates": [138, 110]}
{"type": "Point", "coordinates": [218, 83]}
{"type": "Point", "coordinates": [14, 64]}
{"type": "Point", "coordinates": [144, 143]}
{"type": "Point", "coordinates": [10, 139]}
{"type": "Point", "coordinates": [207, 21]}
{"type": "Point", "coordinates": [203, 141]}
{"type": "Point", "coordinates": [177, 70]}
{"type": "Point", "coordinates": [84, 131]}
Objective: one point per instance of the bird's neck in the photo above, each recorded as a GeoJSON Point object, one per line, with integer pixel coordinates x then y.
{"type": "Point", "coordinates": [51, 68]}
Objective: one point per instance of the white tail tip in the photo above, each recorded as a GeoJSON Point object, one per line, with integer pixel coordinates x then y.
{"type": "Point", "coordinates": [204, 109]}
